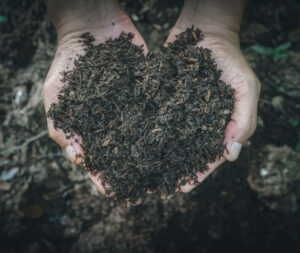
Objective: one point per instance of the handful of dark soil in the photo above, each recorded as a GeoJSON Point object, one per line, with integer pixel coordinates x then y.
{"type": "Point", "coordinates": [145, 121]}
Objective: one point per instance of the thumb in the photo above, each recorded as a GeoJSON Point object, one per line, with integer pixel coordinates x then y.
{"type": "Point", "coordinates": [243, 119]}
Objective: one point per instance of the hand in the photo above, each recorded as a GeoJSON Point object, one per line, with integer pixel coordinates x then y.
{"type": "Point", "coordinates": [103, 19]}
{"type": "Point", "coordinates": [238, 74]}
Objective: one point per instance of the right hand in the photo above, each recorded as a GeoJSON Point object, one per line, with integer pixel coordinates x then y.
{"type": "Point", "coordinates": [104, 20]}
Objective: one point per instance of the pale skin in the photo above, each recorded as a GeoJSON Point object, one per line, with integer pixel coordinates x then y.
{"type": "Point", "coordinates": [218, 19]}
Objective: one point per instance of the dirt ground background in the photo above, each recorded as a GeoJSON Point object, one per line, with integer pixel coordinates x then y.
{"type": "Point", "coordinates": [49, 205]}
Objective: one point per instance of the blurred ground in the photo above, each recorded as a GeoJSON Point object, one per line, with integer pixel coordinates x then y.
{"type": "Point", "coordinates": [49, 205]}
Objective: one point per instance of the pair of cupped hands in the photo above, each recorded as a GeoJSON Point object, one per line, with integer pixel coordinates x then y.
{"type": "Point", "coordinates": [108, 21]}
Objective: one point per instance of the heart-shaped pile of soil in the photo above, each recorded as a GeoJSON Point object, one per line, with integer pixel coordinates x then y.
{"type": "Point", "coordinates": [145, 121]}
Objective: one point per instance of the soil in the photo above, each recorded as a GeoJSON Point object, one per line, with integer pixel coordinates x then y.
{"type": "Point", "coordinates": [47, 205]}
{"type": "Point", "coordinates": [145, 121]}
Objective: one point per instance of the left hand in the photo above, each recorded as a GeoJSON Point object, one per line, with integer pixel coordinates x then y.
{"type": "Point", "coordinates": [237, 73]}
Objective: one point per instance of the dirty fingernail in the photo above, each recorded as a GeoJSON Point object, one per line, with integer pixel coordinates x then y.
{"type": "Point", "coordinates": [234, 151]}
{"type": "Point", "coordinates": [71, 153]}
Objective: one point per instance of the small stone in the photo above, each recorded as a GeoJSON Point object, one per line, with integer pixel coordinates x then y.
{"type": "Point", "coordinates": [158, 27]}
{"type": "Point", "coordinates": [166, 25]}
{"type": "Point", "coordinates": [134, 17]}
{"type": "Point", "coordinates": [21, 95]}
{"type": "Point", "coordinates": [260, 122]}
{"type": "Point", "coordinates": [276, 179]}
{"type": "Point", "coordinates": [277, 103]}
{"type": "Point", "coordinates": [226, 112]}
{"type": "Point", "coordinates": [4, 186]}
{"type": "Point", "coordinates": [65, 220]}
{"type": "Point", "coordinates": [263, 172]}
{"type": "Point", "coordinates": [9, 174]}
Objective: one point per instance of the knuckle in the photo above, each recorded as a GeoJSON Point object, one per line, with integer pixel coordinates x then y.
{"type": "Point", "coordinates": [246, 84]}
{"type": "Point", "coordinates": [248, 127]}
{"type": "Point", "coordinates": [254, 83]}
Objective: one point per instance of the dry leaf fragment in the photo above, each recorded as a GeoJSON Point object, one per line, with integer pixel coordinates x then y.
{"type": "Point", "coordinates": [106, 142]}
{"type": "Point", "coordinates": [207, 96]}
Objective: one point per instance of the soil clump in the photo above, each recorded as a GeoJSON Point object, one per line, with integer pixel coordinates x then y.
{"type": "Point", "coordinates": [145, 121]}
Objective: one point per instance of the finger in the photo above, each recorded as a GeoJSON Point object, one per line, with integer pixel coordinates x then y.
{"type": "Point", "coordinates": [212, 166]}
{"type": "Point", "coordinates": [98, 182]}
{"type": "Point", "coordinates": [72, 146]}
{"type": "Point", "coordinates": [64, 59]}
{"type": "Point", "coordinates": [243, 120]}
{"type": "Point", "coordinates": [173, 33]}
{"type": "Point", "coordinates": [201, 176]}
{"type": "Point", "coordinates": [52, 86]}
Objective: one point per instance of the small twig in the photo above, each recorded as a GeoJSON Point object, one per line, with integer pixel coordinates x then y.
{"type": "Point", "coordinates": [265, 101]}
{"type": "Point", "coordinates": [25, 143]}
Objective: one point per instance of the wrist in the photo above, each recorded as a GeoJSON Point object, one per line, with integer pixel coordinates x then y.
{"type": "Point", "coordinates": [222, 35]}
{"type": "Point", "coordinates": [74, 17]}
{"type": "Point", "coordinates": [212, 33]}
{"type": "Point", "coordinates": [216, 18]}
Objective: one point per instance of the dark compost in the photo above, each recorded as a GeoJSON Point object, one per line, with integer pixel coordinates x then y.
{"type": "Point", "coordinates": [146, 121]}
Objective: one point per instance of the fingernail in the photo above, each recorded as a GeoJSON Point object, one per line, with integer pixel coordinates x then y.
{"type": "Point", "coordinates": [234, 151]}
{"type": "Point", "coordinates": [71, 153]}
